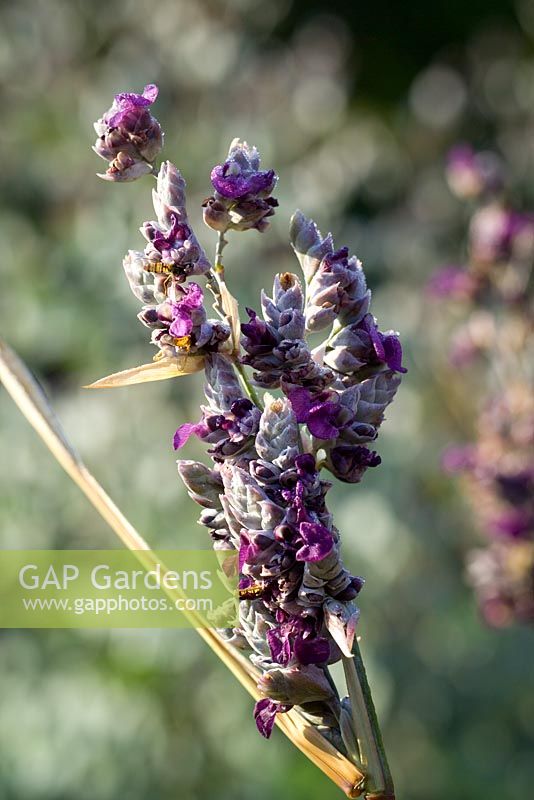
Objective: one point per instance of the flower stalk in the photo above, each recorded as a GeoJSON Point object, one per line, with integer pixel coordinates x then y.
{"type": "Point", "coordinates": [379, 783]}
{"type": "Point", "coordinates": [263, 495]}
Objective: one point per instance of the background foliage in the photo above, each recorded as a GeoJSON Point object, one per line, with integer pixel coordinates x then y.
{"type": "Point", "coordinates": [355, 106]}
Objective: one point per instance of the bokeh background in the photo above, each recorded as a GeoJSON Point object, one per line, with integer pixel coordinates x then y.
{"type": "Point", "coordinates": [355, 106]}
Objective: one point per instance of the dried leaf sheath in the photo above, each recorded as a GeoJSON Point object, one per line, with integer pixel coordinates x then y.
{"type": "Point", "coordinates": [160, 370]}
{"type": "Point", "coordinates": [30, 399]}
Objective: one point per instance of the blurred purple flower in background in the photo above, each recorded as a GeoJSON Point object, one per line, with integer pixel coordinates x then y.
{"type": "Point", "coordinates": [496, 469]}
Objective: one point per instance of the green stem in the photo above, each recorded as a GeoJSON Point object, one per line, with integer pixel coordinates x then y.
{"type": "Point", "coordinates": [379, 784]}
{"type": "Point", "coordinates": [221, 244]}
{"type": "Point", "coordinates": [249, 388]}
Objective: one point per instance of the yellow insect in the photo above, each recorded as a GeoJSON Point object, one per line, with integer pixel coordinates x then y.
{"type": "Point", "coordinates": [251, 592]}
{"type": "Point", "coordinates": [159, 268]}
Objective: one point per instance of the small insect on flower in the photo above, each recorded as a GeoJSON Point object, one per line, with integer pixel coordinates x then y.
{"type": "Point", "coordinates": [159, 268]}
{"type": "Point", "coordinates": [251, 592]}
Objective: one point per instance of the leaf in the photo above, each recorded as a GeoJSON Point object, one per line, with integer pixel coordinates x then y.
{"type": "Point", "coordinates": [32, 402]}
{"type": "Point", "coordinates": [160, 370]}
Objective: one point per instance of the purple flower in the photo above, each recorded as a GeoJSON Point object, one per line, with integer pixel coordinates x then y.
{"type": "Point", "coordinates": [296, 639]}
{"type": "Point", "coordinates": [363, 346]}
{"type": "Point", "coordinates": [517, 488]}
{"type": "Point", "coordinates": [453, 282]}
{"type": "Point", "coordinates": [311, 650]}
{"type": "Point", "coordinates": [188, 429]}
{"type": "Point", "coordinates": [129, 137]}
{"type": "Point", "coordinates": [164, 242]}
{"type": "Point", "coordinates": [265, 712]}
{"type": "Point", "coordinates": [126, 102]}
{"type": "Point", "coordinates": [386, 346]}
{"type": "Point", "coordinates": [229, 180]}
{"type": "Point", "coordinates": [499, 234]}
{"type": "Point", "coordinates": [260, 337]}
{"type": "Point", "coordinates": [321, 415]}
{"type": "Point", "coordinates": [230, 432]}
{"type": "Point", "coordinates": [171, 240]}
{"type": "Point", "coordinates": [180, 325]}
{"type": "Point", "coordinates": [240, 175]}
{"type": "Point", "coordinates": [469, 174]}
{"type": "Point", "coordinates": [242, 192]}
{"type": "Point", "coordinates": [349, 462]}
{"type": "Point", "coordinates": [318, 542]}
{"type": "Point", "coordinates": [182, 322]}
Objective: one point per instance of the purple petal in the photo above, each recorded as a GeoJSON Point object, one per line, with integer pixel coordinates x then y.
{"type": "Point", "coordinates": [185, 431]}
{"type": "Point", "coordinates": [265, 712]}
{"type": "Point", "coordinates": [393, 353]}
{"type": "Point", "coordinates": [300, 400]}
{"type": "Point", "coordinates": [279, 647]}
{"type": "Point", "coordinates": [318, 542]}
{"type": "Point", "coordinates": [150, 92]}
{"type": "Point", "coordinates": [127, 100]}
{"type": "Point", "coordinates": [320, 421]}
{"type": "Point", "coordinates": [243, 548]}
{"type": "Point", "coordinates": [236, 186]}
{"type": "Point", "coordinates": [193, 298]}
{"type": "Point", "coordinates": [311, 651]}
{"type": "Point", "coordinates": [305, 465]}
{"type": "Point", "coordinates": [182, 324]}
{"type": "Point", "coordinates": [377, 340]}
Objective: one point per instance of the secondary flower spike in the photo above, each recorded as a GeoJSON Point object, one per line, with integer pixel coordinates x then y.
{"type": "Point", "coordinates": [129, 137]}
{"type": "Point", "coordinates": [493, 290]}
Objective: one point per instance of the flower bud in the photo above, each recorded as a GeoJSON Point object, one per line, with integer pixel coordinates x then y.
{"type": "Point", "coordinates": [203, 484]}
{"type": "Point", "coordinates": [278, 436]}
{"type": "Point", "coordinates": [308, 244]}
{"type": "Point", "coordinates": [295, 685]}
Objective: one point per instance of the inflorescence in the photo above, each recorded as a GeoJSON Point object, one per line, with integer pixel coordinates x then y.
{"type": "Point", "coordinates": [264, 493]}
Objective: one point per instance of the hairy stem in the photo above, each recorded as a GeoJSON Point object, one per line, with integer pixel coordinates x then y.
{"type": "Point", "coordinates": [379, 784]}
